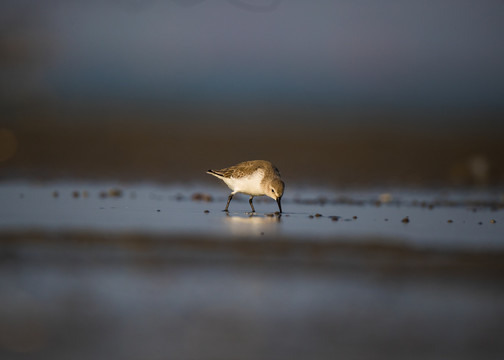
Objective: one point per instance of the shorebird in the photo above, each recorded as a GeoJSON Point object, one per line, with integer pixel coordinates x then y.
{"type": "Point", "coordinates": [254, 178]}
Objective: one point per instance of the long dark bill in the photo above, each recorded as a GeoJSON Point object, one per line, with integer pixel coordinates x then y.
{"type": "Point", "coordinates": [279, 203]}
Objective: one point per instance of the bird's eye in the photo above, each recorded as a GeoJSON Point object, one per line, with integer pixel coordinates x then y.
{"type": "Point", "coordinates": [272, 190]}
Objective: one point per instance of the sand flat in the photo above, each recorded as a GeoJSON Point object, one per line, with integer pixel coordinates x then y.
{"type": "Point", "coordinates": [101, 270]}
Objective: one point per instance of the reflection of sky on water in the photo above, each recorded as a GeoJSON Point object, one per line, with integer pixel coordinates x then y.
{"type": "Point", "coordinates": [390, 53]}
{"type": "Point", "coordinates": [151, 293]}
{"type": "Point", "coordinates": [102, 308]}
{"type": "Point", "coordinates": [170, 210]}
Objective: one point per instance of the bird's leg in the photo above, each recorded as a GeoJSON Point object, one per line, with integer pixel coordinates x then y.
{"type": "Point", "coordinates": [229, 200]}
{"type": "Point", "coordinates": [251, 205]}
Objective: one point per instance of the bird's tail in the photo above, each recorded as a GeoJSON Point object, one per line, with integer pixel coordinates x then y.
{"type": "Point", "coordinates": [215, 173]}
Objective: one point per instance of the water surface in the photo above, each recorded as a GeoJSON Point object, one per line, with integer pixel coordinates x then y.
{"type": "Point", "coordinates": [135, 271]}
{"type": "Point", "coordinates": [435, 219]}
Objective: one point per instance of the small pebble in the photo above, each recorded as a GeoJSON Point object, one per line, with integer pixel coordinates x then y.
{"type": "Point", "coordinates": [201, 197]}
{"type": "Point", "coordinates": [480, 223]}
{"type": "Point", "coordinates": [450, 221]}
{"type": "Point", "coordinates": [405, 220]}
{"type": "Point", "coordinates": [354, 217]}
{"type": "Point", "coordinates": [55, 194]}
{"type": "Point", "coordinates": [311, 216]}
{"type": "Point", "coordinates": [318, 215]}
{"type": "Point", "coordinates": [492, 221]}
{"type": "Point", "coordinates": [115, 192]}
{"type": "Point", "coordinates": [75, 194]}
{"type": "Point", "coordinates": [206, 211]}
{"type": "Point", "coordinates": [158, 210]}
{"type": "Point", "coordinates": [85, 194]}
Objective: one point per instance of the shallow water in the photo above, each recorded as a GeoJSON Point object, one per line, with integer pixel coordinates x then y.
{"type": "Point", "coordinates": [142, 271]}
{"type": "Point", "coordinates": [436, 219]}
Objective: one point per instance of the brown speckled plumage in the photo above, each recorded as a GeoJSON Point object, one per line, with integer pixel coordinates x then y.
{"type": "Point", "coordinates": [255, 178]}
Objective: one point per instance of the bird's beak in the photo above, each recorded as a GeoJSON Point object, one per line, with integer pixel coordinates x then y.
{"type": "Point", "coordinates": [279, 204]}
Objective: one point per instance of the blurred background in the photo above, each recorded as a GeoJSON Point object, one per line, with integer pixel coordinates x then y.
{"type": "Point", "coordinates": [386, 110]}
{"type": "Point", "coordinates": [336, 92]}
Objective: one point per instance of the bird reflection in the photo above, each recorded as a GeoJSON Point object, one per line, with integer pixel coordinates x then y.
{"type": "Point", "coordinates": [253, 224]}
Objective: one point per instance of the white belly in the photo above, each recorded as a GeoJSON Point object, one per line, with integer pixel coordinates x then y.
{"type": "Point", "coordinates": [250, 185]}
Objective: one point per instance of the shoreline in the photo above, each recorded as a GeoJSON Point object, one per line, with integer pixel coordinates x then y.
{"type": "Point", "coordinates": [346, 155]}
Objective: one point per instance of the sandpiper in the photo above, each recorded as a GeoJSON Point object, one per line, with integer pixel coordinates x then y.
{"type": "Point", "coordinates": [254, 178]}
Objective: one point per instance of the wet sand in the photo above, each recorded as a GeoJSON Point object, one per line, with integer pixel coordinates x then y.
{"type": "Point", "coordinates": [108, 270]}
{"type": "Point", "coordinates": [113, 243]}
